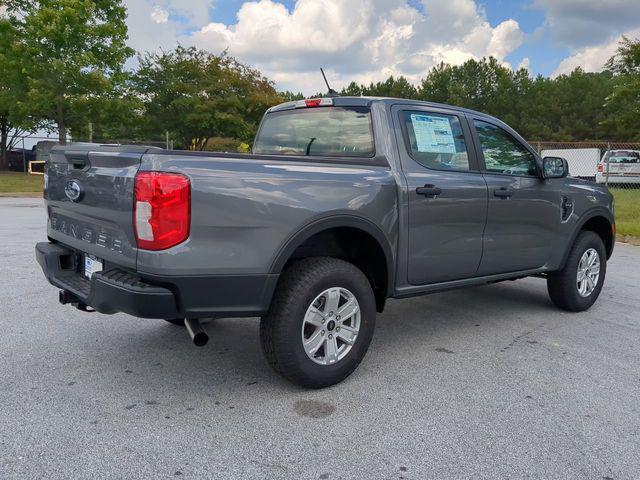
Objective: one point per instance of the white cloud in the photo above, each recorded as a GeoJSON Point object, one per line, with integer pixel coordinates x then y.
{"type": "Point", "coordinates": [362, 40]}
{"type": "Point", "coordinates": [582, 23]}
{"type": "Point", "coordinates": [524, 63]}
{"type": "Point", "coordinates": [172, 21]}
{"type": "Point", "coordinates": [159, 15]}
{"type": "Point", "coordinates": [590, 29]}
{"type": "Point", "coordinates": [505, 38]}
{"type": "Point", "coordinates": [192, 13]}
{"type": "Point", "coordinates": [592, 59]}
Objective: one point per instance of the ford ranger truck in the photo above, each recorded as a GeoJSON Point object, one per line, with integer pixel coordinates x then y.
{"type": "Point", "coordinates": [343, 203]}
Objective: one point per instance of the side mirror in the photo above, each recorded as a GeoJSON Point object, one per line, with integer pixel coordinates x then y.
{"type": "Point", "coordinates": [554, 167]}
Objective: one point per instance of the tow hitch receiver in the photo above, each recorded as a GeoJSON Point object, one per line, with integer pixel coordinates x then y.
{"type": "Point", "coordinates": [68, 298]}
{"type": "Point", "coordinates": [194, 328]}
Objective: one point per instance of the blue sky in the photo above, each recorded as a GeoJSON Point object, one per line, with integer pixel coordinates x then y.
{"type": "Point", "coordinates": [367, 40]}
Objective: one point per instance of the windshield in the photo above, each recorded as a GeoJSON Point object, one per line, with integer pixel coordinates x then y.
{"type": "Point", "coordinates": [320, 131]}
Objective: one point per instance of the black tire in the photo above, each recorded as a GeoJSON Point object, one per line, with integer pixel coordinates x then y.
{"type": "Point", "coordinates": [175, 321]}
{"type": "Point", "coordinates": [562, 286]}
{"type": "Point", "coordinates": [281, 328]}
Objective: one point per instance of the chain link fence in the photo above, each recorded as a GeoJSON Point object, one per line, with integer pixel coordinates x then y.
{"type": "Point", "coordinates": [615, 164]}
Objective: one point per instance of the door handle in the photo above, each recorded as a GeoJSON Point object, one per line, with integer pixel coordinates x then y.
{"type": "Point", "coordinates": [503, 193]}
{"type": "Point", "coordinates": [429, 190]}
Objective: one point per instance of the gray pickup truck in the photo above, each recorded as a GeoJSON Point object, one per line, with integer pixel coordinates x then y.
{"type": "Point", "coordinates": [343, 203]}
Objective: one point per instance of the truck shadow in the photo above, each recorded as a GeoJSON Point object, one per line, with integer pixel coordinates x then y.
{"type": "Point", "coordinates": [162, 355]}
{"type": "Point", "coordinates": [454, 317]}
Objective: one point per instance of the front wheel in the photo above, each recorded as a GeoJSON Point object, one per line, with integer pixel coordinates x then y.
{"type": "Point", "coordinates": [320, 322]}
{"type": "Point", "coordinates": [577, 286]}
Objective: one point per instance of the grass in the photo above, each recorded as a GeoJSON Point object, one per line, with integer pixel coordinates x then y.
{"type": "Point", "coordinates": [627, 212]}
{"type": "Point", "coordinates": [18, 182]}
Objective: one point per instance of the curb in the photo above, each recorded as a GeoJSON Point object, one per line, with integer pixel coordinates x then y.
{"type": "Point", "coordinates": [21, 194]}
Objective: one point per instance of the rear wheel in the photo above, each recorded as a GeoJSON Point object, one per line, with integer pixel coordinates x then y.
{"type": "Point", "coordinates": [320, 322]}
{"type": "Point", "coordinates": [577, 286]}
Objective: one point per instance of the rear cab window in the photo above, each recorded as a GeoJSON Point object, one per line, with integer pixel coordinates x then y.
{"type": "Point", "coordinates": [319, 131]}
{"type": "Point", "coordinates": [622, 156]}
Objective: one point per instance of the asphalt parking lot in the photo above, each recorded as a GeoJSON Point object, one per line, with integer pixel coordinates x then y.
{"type": "Point", "coordinates": [490, 382]}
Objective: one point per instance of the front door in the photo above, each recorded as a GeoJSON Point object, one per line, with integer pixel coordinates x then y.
{"type": "Point", "coordinates": [447, 195]}
{"type": "Point", "coordinates": [524, 211]}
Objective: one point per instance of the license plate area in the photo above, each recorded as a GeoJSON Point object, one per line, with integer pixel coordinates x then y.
{"type": "Point", "coordinates": [91, 265]}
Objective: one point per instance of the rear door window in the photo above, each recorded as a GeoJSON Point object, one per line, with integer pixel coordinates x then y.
{"type": "Point", "coordinates": [319, 131]}
{"type": "Point", "coordinates": [436, 140]}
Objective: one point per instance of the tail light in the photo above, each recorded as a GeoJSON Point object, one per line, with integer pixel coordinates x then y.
{"type": "Point", "coordinates": [162, 209]}
{"type": "Point", "coordinates": [599, 168]}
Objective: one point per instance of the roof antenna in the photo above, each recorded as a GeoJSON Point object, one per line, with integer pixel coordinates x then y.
{"type": "Point", "coordinates": [332, 92]}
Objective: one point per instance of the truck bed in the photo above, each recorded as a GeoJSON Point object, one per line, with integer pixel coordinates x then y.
{"type": "Point", "coordinates": [245, 212]}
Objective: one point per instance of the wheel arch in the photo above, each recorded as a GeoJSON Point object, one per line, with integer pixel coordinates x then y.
{"type": "Point", "coordinates": [349, 228]}
{"type": "Point", "coordinates": [599, 221]}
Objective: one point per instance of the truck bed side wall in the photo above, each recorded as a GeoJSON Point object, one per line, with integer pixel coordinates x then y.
{"type": "Point", "coordinates": [244, 210]}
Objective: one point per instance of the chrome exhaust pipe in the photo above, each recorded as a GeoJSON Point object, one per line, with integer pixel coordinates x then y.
{"type": "Point", "coordinates": [194, 328]}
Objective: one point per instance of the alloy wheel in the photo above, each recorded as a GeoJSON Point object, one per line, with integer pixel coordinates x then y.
{"type": "Point", "coordinates": [331, 326]}
{"type": "Point", "coordinates": [588, 272]}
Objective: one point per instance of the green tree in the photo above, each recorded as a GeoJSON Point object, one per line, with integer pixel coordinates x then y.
{"type": "Point", "coordinates": [288, 96]}
{"type": "Point", "coordinates": [567, 108]}
{"type": "Point", "coordinates": [76, 48]}
{"type": "Point", "coordinates": [623, 103]}
{"type": "Point", "coordinates": [391, 87]}
{"type": "Point", "coordinates": [574, 106]}
{"type": "Point", "coordinates": [196, 95]}
{"type": "Point", "coordinates": [353, 89]}
{"type": "Point", "coordinates": [627, 57]}
{"type": "Point", "coordinates": [14, 120]}
{"type": "Point", "coordinates": [484, 85]}
{"type": "Point", "coordinates": [435, 87]}
{"type": "Point", "coordinates": [115, 116]}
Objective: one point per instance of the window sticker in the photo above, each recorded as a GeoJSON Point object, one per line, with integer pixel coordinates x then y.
{"type": "Point", "coordinates": [433, 134]}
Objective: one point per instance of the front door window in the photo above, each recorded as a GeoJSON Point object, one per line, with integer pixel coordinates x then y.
{"type": "Point", "coordinates": [503, 153]}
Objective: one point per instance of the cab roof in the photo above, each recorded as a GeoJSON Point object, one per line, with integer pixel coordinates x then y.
{"type": "Point", "coordinates": [351, 101]}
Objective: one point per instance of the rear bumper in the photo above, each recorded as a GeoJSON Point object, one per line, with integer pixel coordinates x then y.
{"type": "Point", "coordinates": [150, 296]}
{"type": "Point", "coordinates": [615, 179]}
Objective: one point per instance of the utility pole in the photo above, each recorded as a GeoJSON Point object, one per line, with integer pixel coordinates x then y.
{"type": "Point", "coordinates": [90, 132]}
{"type": "Point", "coordinates": [606, 180]}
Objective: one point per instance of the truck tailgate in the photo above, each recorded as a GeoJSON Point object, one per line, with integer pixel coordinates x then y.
{"type": "Point", "coordinates": [89, 196]}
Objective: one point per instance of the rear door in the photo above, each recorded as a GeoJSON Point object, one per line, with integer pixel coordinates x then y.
{"type": "Point", "coordinates": [524, 212]}
{"type": "Point", "coordinates": [447, 195]}
{"type": "Point", "coordinates": [89, 197]}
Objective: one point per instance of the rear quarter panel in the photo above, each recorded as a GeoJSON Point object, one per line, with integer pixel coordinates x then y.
{"type": "Point", "coordinates": [246, 209]}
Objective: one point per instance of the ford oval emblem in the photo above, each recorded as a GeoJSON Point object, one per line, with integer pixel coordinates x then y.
{"type": "Point", "coordinates": [73, 191]}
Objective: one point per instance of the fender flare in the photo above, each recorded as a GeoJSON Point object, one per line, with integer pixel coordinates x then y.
{"type": "Point", "coordinates": [594, 212]}
{"type": "Point", "coordinates": [335, 221]}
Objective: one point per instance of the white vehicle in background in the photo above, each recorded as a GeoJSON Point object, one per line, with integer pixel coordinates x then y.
{"type": "Point", "coordinates": [619, 166]}
{"type": "Point", "coordinates": [582, 161]}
